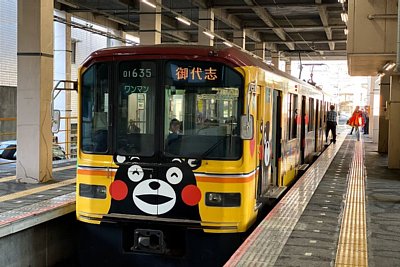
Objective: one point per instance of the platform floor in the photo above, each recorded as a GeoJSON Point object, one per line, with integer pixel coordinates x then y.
{"type": "Point", "coordinates": [348, 217]}
{"type": "Point", "coordinates": [23, 205]}
{"type": "Point", "coordinates": [344, 211]}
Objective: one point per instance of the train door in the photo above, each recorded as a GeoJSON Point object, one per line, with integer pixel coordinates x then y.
{"type": "Point", "coordinates": [317, 114]}
{"type": "Point", "coordinates": [276, 143]}
{"type": "Point", "coordinates": [264, 141]}
{"type": "Point", "coordinates": [303, 129]}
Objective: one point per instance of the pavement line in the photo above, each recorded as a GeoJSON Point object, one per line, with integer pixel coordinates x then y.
{"type": "Point", "coordinates": [37, 190]}
{"type": "Point", "coordinates": [266, 242]}
{"type": "Point", "coordinates": [10, 178]}
{"type": "Point", "coordinates": [352, 246]}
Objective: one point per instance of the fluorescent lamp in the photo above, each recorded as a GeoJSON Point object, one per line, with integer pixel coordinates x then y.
{"type": "Point", "coordinates": [228, 44]}
{"type": "Point", "coordinates": [341, 1]}
{"type": "Point", "coordinates": [149, 3]}
{"type": "Point", "coordinates": [183, 20]}
{"type": "Point", "coordinates": [209, 34]}
{"type": "Point", "coordinates": [389, 66]}
{"type": "Point", "coordinates": [344, 17]}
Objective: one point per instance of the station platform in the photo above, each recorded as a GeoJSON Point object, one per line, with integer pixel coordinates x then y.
{"type": "Point", "coordinates": [344, 211]}
{"type": "Point", "coordinates": [25, 205]}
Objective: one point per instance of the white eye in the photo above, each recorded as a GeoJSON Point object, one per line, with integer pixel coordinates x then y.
{"type": "Point", "coordinates": [177, 160]}
{"type": "Point", "coordinates": [120, 159]}
{"type": "Point", "coordinates": [192, 162]}
{"type": "Point", "coordinates": [135, 173]}
{"type": "Point", "coordinates": [174, 175]}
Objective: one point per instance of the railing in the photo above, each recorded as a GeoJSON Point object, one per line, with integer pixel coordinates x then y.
{"type": "Point", "coordinates": [70, 133]}
{"type": "Point", "coordinates": [69, 142]}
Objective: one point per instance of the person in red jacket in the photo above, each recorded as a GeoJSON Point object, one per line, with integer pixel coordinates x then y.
{"type": "Point", "coordinates": [356, 121]}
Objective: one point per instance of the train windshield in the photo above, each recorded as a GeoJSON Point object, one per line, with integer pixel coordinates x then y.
{"type": "Point", "coordinates": [135, 118]}
{"type": "Point", "coordinates": [202, 107]}
{"type": "Point", "coordinates": [147, 107]}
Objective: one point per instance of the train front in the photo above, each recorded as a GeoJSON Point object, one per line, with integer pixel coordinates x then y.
{"type": "Point", "coordinates": [160, 149]}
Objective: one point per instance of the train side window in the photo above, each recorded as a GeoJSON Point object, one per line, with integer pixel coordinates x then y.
{"type": "Point", "coordinates": [311, 114]}
{"type": "Point", "coordinates": [95, 99]}
{"type": "Point", "coordinates": [293, 116]}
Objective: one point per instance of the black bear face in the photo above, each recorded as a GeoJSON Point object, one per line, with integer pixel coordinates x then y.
{"type": "Point", "coordinates": [167, 190]}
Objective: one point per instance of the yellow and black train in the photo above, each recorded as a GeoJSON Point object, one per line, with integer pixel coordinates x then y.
{"type": "Point", "coordinates": [179, 140]}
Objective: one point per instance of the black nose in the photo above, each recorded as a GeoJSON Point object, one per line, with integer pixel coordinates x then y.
{"type": "Point", "coordinates": [154, 185]}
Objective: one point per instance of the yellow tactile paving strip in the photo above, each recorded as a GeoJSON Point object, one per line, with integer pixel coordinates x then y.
{"type": "Point", "coordinates": [352, 247]}
{"type": "Point", "coordinates": [36, 190]}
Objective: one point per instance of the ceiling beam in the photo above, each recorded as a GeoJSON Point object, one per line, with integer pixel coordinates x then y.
{"type": "Point", "coordinates": [298, 27]}
{"type": "Point", "coordinates": [324, 18]}
{"type": "Point", "coordinates": [268, 20]}
{"type": "Point", "coordinates": [221, 4]}
{"type": "Point", "coordinates": [229, 19]}
{"type": "Point", "coordinates": [311, 41]}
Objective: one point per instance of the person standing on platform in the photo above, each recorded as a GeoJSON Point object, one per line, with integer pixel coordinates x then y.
{"type": "Point", "coordinates": [356, 121]}
{"type": "Point", "coordinates": [366, 120]}
{"type": "Point", "coordinates": [331, 117]}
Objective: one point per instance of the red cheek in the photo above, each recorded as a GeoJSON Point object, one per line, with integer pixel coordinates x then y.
{"type": "Point", "coordinates": [191, 195]}
{"type": "Point", "coordinates": [118, 190]}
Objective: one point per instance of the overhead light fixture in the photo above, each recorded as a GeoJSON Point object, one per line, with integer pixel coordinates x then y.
{"type": "Point", "coordinates": [228, 44]}
{"type": "Point", "coordinates": [344, 17]}
{"type": "Point", "coordinates": [342, 1]}
{"type": "Point", "coordinates": [183, 20]}
{"type": "Point", "coordinates": [209, 34]}
{"type": "Point", "coordinates": [389, 66]}
{"type": "Point", "coordinates": [149, 3]}
{"type": "Point", "coordinates": [346, 31]}
{"type": "Point", "coordinates": [68, 3]}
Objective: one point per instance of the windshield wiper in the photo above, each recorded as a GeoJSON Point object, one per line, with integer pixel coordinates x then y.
{"type": "Point", "coordinates": [212, 148]}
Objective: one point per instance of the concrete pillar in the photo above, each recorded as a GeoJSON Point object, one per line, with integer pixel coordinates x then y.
{"type": "Point", "coordinates": [394, 126]}
{"type": "Point", "coordinates": [288, 66]}
{"type": "Point", "coordinates": [275, 59]}
{"type": "Point", "coordinates": [62, 71]}
{"type": "Point", "coordinates": [35, 82]}
{"type": "Point", "coordinates": [374, 109]}
{"type": "Point", "coordinates": [111, 42]}
{"type": "Point", "coordinates": [239, 38]}
{"type": "Point", "coordinates": [259, 50]}
{"type": "Point", "coordinates": [150, 23]}
{"type": "Point", "coordinates": [383, 120]}
{"type": "Point", "coordinates": [206, 21]}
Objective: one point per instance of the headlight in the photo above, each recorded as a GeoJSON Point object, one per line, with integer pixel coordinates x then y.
{"type": "Point", "coordinates": [92, 191]}
{"type": "Point", "coordinates": [223, 199]}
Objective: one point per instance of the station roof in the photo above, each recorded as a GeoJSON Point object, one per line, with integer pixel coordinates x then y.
{"type": "Point", "coordinates": [310, 29]}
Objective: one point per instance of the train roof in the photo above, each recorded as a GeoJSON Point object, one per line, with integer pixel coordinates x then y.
{"type": "Point", "coordinates": [232, 54]}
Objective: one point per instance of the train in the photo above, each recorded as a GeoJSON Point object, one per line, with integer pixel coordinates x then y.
{"type": "Point", "coordinates": [182, 145]}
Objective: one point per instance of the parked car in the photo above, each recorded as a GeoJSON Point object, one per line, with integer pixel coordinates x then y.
{"type": "Point", "coordinates": [8, 150]}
